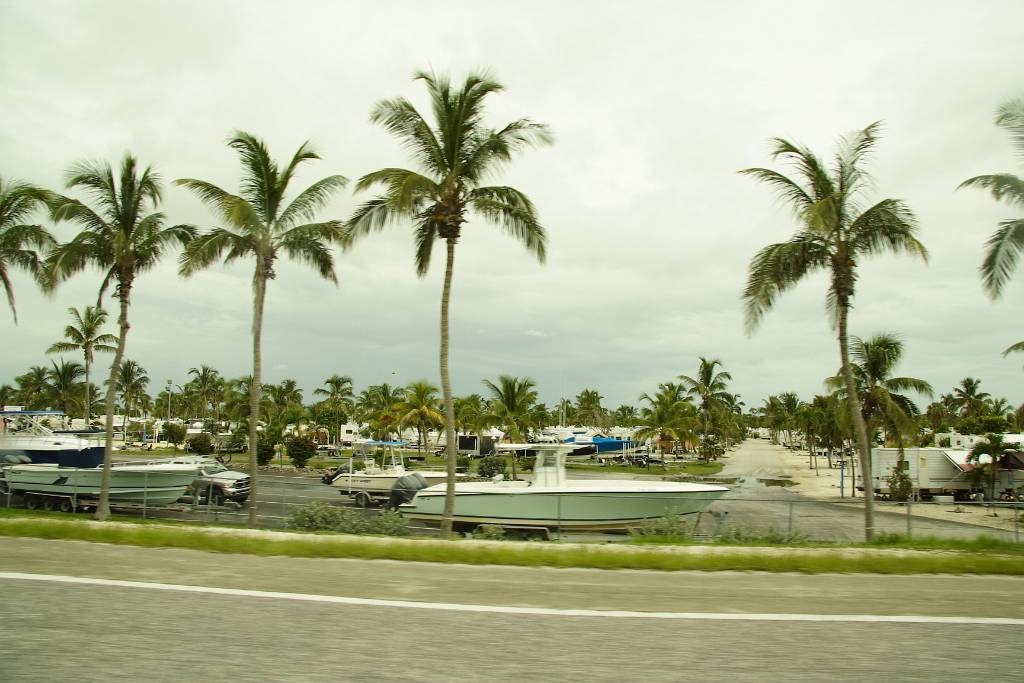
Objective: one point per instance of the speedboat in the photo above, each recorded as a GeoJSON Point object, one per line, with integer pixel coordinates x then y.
{"type": "Point", "coordinates": [24, 436]}
{"type": "Point", "coordinates": [553, 501]}
{"type": "Point", "coordinates": [376, 482]}
{"type": "Point", "coordinates": [149, 484]}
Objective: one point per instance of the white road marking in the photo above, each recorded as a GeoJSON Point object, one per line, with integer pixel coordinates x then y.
{"type": "Point", "coordinates": [499, 609]}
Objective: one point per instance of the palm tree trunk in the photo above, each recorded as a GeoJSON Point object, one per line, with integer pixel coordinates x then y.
{"type": "Point", "coordinates": [260, 283]}
{"type": "Point", "coordinates": [446, 391]}
{"type": "Point", "coordinates": [88, 404]}
{"type": "Point", "coordinates": [103, 506]}
{"type": "Point", "coordinates": [859, 428]}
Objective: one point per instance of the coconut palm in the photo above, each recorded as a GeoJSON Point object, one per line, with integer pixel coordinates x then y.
{"type": "Point", "coordinates": [471, 414]}
{"type": "Point", "coordinates": [65, 384]}
{"type": "Point", "coordinates": [969, 398]}
{"type": "Point", "coordinates": [995, 449]}
{"type": "Point", "coordinates": [207, 384]}
{"type": "Point", "coordinates": [511, 406]}
{"type": "Point", "coordinates": [257, 223]}
{"type": "Point", "coordinates": [7, 395]}
{"type": "Point", "coordinates": [709, 389]}
{"type": "Point", "coordinates": [338, 398]}
{"type": "Point", "coordinates": [84, 335]}
{"type": "Point", "coordinates": [884, 403]}
{"type": "Point", "coordinates": [420, 408]}
{"type": "Point", "coordinates": [34, 387]}
{"type": "Point", "coordinates": [589, 411]}
{"type": "Point", "coordinates": [18, 240]}
{"type": "Point", "coordinates": [1006, 243]}
{"type": "Point", "coordinates": [834, 236]}
{"type": "Point", "coordinates": [132, 380]}
{"type": "Point", "coordinates": [121, 237]}
{"type": "Point", "coordinates": [456, 155]}
{"type": "Point", "coordinates": [668, 416]}
{"type": "Point", "coordinates": [376, 405]}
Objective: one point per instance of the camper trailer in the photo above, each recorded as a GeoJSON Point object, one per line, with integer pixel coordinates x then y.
{"type": "Point", "coordinates": [932, 471]}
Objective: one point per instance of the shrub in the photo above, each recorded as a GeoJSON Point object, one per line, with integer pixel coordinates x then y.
{"type": "Point", "coordinates": [200, 444]}
{"type": "Point", "coordinates": [670, 527]}
{"type": "Point", "coordinates": [300, 450]}
{"type": "Point", "coordinates": [491, 466]}
{"type": "Point", "coordinates": [490, 532]}
{"type": "Point", "coordinates": [326, 517]}
{"type": "Point", "coordinates": [174, 434]}
{"type": "Point", "coordinates": [900, 485]}
{"type": "Point", "coordinates": [462, 462]}
{"type": "Point", "coordinates": [264, 450]}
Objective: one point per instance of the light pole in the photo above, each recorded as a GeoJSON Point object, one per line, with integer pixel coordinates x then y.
{"type": "Point", "coordinates": [169, 400]}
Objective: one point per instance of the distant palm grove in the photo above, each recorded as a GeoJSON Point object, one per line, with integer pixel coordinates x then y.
{"type": "Point", "coordinates": [448, 193]}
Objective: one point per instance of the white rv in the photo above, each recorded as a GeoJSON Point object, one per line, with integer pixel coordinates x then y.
{"type": "Point", "coordinates": [932, 471]}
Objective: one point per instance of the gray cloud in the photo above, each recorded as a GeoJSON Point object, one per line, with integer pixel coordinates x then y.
{"type": "Point", "coordinates": [655, 107]}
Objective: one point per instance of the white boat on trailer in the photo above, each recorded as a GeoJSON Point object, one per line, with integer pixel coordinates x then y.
{"type": "Point", "coordinates": [553, 501]}
{"type": "Point", "coordinates": [375, 483]}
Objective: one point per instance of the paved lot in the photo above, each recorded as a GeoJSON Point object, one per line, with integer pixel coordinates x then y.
{"type": "Point", "coordinates": [166, 635]}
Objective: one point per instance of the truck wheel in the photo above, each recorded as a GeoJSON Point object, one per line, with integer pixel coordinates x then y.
{"type": "Point", "coordinates": [65, 505]}
{"type": "Point", "coordinates": [31, 501]}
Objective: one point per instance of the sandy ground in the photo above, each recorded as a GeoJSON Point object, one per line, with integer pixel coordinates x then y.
{"type": "Point", "coordinates": [758, 457]}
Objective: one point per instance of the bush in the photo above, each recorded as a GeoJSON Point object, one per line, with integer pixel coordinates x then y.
{"type": "Point", "coordinates": [200, 444]}
{"type": "Point", "coordinates": [300, 450]}
{"type": "Point", "coordinates": [900, 485]}
{"type": "Point", "coordinates": [174, 434]}
{"type": "Point", "coordinates": [490, 532]}
{"type": "Point", "coordinates": [463, 462]}
{"type": "Point", "coordinates": [264, 450]}
{"type": "Point", "coordinates": [327, 517]}
{"type": "Point", "coordinates": [491, 465]}
{"type": "Point", "coordinates": [670, 527]}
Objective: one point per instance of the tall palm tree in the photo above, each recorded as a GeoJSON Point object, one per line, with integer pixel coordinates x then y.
{"type": "Point", "coordinates": [7, 395]}
{"type": "Point", "coordinates": [123, 239]}
{"type": "Point", "coordinates": [993, 447]}
{"type": "Point", "coordinates": [376, 406]}
{"type": "Point", "coordinates": [258, 224]}
{"type": "Point", "coordinates": [884, 403]}
{"type": "Point", "coordinates": [456, 155]}
{"type": "Point", "coordinates": [65, 384]}
{"type": "Point", "coordinates": [420, 408]}
{"type": "Point", "coordinates": [34, 387]}
{"type": "Point", "coordinates": [471, 414]}
{"type": "Point", "coordinates": [512, 402]}
{"type": "Point", "coordinates": [969, 398]}
{"type": "Point", "coordinates": [668, 416]}
{"type": "Point", "coordinates": [338, 397]}
{"type": "Point", "coordinates": [1006, 243]}
{"type": "Point", "coordinates": [710, 389]}
{"type": "Point", "coordinates": [18, 240]}
{"type": "Point", "coordinates": [589, 410]}
{"type": "Point", "coordinates": [132, 380]}
{"type": "Point", "coordinates": [84, 335]}
{"type": "Point", "coordinates": [834, 235]}
{"type": "Point", "coordinates": [206, 384]}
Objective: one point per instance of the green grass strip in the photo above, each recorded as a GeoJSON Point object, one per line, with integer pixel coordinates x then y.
{"type": "Point", "coordinates": [524, 554]}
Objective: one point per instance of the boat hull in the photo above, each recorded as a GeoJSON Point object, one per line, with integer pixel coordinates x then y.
{"type": "Point", "coordinates": [380, 484]}
{"type": "Point", "coordinates": [57, 449]}
{"type": "Point", "coordinates": [565, 509]}
{"type": "Point", "coordinates": [127, 485]}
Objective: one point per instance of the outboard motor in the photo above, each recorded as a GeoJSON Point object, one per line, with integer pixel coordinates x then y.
{"type": "Point", "coordinates": [334, 474]}
{"type": "Point", "coordinates": [405, 488]}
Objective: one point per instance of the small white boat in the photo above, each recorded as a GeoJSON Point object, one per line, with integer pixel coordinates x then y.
{"type": "Point", "coordinates": [553, 501]}
{"type": "Point", "coordinates": [23, 436]}
{"type": "Point", "coordinates": [375, 483]}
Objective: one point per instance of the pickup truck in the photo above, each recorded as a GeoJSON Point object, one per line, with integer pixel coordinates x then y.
{"type": "Point", "coordinates": [216, 482]}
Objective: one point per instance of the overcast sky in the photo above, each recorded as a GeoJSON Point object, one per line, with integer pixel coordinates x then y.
{"type": "Point", "coordinates": [655, 107]}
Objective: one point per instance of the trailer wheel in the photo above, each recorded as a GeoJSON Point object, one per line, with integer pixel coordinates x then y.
{"type": "Point", "coordinates": [66, 505]}
{"type": "Point", "coordinates": [49, 504]}
{"type": "Point", "coordinates": [31, 501]}
{"type": "Point", "coordinates": [363, 499]}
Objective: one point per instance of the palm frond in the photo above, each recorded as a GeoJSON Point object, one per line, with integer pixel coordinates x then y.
{"type": "Point", "coordinates": [424, 236]}
{"type": "Point", "coordinates": [233, 210]}
{"type": "Point", "coordinates": [810, 167]}
{"type": "Point", "coordinates": [511, 210]}
{"type": "Point", "coordinates": [260, 174]}
{"type": "Point", "coordinates": [372, 216]}
{"type": "Point", "coordinates": [787, 188]}
{"type": "Point", "coordinates": [406, 191]}
{"type": "Point", "coordinates": [1003, 250]}
{"type": "Point", "coordinates": [909, 384]}
{"type": "Point", "coordinates": [309, 244]}
{"type": "Point", "coordinates": [1010, 116]}
{"type": "Point", "coordinates": [889, 225]}
{"type": "Point", "coordinates": [304, 153]}
{"type": "Point", "coordinates": [97, 180]}
{"type": "Point", "coordinates": [495, 148]}
{"type": "Point", "coordinates": [1018, 347]}
{"type": "Point", "coordinates": [777, 268]}
{"type": "Point", "coordinates": [311, 200]}
{"type": "Point", "coordinates": [1003, 186]}
{"type": "Point", "coordinates": [204, 249]}
{"type": "Point", "coordinates": [401, 119]}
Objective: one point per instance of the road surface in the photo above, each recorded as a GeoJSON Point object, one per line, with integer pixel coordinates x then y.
{"type": "Point", "coordinates": [747, 626]}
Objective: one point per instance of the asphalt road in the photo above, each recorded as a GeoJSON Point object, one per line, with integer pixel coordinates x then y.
{"type": "Point", "coordinates": [58, 631]}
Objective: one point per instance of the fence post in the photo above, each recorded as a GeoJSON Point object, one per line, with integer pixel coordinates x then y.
{"type": "Point", "coordinates": [910, 525]}
{"type": "Point", "coordinates": [1016, 522]}
{"type": "Point", "coordinates": [209, 502]}
{"type": "Point", "coordinates": [145, 493]}
{"type": "Point", "coordinates": [790, 532]}
{"type": "Point", "coordinates": [559, 503]}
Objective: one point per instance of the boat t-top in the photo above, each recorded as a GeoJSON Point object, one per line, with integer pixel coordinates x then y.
{"type": "Point", "coordinates": [25, 437]}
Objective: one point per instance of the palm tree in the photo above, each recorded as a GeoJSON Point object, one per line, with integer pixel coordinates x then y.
{"type": "Point", "coordinates": [420, 408]}
{"type": "Point", "coordinates": [589, 410]}
{"type": "Point", "coordinates": [883, 403]}
{"type": "Point", "coordinates": [511, 406]}
{"type": "Point", "coordinates": [1006, 243]}
{"type": "Point", "coordinates": [376, 406]}
{"type": "Point", "coordinates": [834, 235]}
{"type": "Point", "coordinates": [207, 384]}
{"type": "Point", "coordinates": [668, 416]}
{"type": "Point", "coordinates": [123, 240]}
{"type": "Point", "coordinates": [65, 384]}
{"type": "Point", "coordinates": [709, 388]}
{"type": "Point", "coordinates": [969, 398]}
{"type": "Point", "coordinates": [34, 387]}
{"type": "Point", "coordinates": [132, 381]}
{"type": "Point", "coordinates": [995, 449]}
{"type": "Point", "coordinates": [257, 224]}
{"type": "Point", "coordinates": [17, 239]}
{"type": "Point", "coordinates": [456, 156]}
{"type": "Point", "coordinates": [339, 398]}
{"type": "Point", "coordinates": [7, 395]}
{"type": "Point", "coordinates": [84, 335]}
